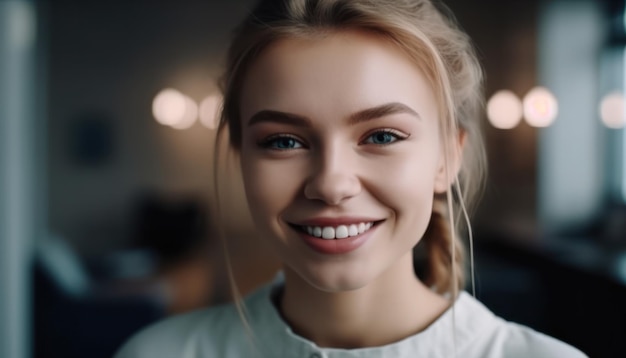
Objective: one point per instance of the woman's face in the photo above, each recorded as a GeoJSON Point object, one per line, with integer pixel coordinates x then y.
{"type": "Point", "coordinates": [341, 156]}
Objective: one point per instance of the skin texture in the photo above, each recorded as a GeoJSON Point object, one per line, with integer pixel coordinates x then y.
{"type": "Point", "coordinates": [332, 164]}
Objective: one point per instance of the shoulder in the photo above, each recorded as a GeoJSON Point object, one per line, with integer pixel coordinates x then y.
{"type": "Point", "coordinates": [213, 332]}
{"type": "Point", "coordinates": [490, 336]}
{"type": "Point", "coordinates": [522, 341]}
{"type": "Point", "coordinates": [172, 336]}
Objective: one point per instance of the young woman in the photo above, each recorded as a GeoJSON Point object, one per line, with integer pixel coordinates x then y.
{"type": "Point", "coordinates": [356, 125]}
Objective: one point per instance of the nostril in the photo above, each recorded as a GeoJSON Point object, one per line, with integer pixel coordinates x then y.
{"type": "Point", "coordinates": [332, 189]}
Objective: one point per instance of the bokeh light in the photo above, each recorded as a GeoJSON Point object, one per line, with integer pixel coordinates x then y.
{"type": "Point", "coordinates": [540, 107]}
{"type": "Point", "coordinates": [504, 110]}
{"type": "Point", "coordinates": [612, 110]}
{"type": "Point", "coordinates": [189, 116]}
{"type": "Point", "coordinates": [169, 107]}
{"type": "Point", "coordinates": [209, 111]}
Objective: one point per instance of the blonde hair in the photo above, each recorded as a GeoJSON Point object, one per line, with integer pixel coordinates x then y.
{"type": "Point", "coordinates": [428, 34]}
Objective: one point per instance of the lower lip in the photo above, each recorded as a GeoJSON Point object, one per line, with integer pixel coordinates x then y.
{"type": "Point", "coordinates": [337, 246]}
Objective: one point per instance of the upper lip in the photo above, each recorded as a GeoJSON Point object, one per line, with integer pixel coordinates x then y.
{"type": "Point", "coordinates": [335, 221]}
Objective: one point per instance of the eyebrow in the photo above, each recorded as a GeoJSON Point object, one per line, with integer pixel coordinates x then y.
{"type": "Point", "coordinates": [358, 117]}
{"type": "Point", "coordinates": [382, 111]}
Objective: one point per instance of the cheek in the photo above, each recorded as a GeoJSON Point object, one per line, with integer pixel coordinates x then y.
{"type": "Point", "coordinates": [270, 187]}
{"type": "Point", "coordinates": [407, 175]}
{"type": "Point", "coordinates": [406, 185]}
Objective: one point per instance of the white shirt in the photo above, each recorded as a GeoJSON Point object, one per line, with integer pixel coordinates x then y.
{"type": "Point", "coordinates": [219, 332]}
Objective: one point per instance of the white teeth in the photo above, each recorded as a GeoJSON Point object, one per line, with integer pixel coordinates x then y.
{"type": "Point", "coordinates": [339, 232]}
{"type": "Point", "coordinates": [361, 228]}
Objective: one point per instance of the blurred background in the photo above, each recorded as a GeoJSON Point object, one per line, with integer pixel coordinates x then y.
{"type": "Point", "coordinates": [107, 206]}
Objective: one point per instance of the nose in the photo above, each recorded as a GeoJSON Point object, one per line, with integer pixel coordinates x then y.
{"type": "Point", "coordinates": [334, 178]}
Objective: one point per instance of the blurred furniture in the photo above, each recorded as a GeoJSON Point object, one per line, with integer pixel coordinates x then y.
{"type": "Point", "coordinates": [89, 308]}
{"type": "Point", "coordinates": [172, 227]}
{"type": "Point", "coordinates": [175, 229]}
{"type": "Point", "coordinates": [76, 316]}
{"type": "Point", "coordinates": [572, 288]}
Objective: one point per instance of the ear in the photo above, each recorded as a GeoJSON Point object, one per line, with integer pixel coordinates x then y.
{"type": "Point", "coordinates": [448, 170]}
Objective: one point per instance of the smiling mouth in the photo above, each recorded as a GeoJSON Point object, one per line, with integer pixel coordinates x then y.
{"type": "Point", "coordinates": [336, 232]}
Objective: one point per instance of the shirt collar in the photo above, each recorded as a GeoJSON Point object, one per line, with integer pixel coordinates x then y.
{"type": "Point", "coordinates": [273, 336]}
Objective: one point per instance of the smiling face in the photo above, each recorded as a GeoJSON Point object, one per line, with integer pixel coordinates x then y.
{"type": "Point", "coordinates": [341, 156]}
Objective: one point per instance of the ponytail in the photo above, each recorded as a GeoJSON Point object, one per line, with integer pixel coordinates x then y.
{"type": "Point", "coordinates": [441, 273]}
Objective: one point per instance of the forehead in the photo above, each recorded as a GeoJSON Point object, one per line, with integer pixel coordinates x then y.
{"type": "Point", "coordinates": [334, 75]}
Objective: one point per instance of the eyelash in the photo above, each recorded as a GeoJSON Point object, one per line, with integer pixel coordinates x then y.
{"type": "Point", "coordinates": [398, 136]}
{"type": "Point", "coordinates": [268, 143]}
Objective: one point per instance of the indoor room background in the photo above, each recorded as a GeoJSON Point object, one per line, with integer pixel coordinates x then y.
{"type": "Point", "coordinates": [108, 210]}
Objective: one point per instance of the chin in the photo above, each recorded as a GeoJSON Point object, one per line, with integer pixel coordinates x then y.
{"type": "Point", "coordinates": [334, 281]}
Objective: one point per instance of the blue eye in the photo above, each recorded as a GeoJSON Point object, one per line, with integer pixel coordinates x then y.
{"type": "Point", "coordinates": [383, 137]}
{"type": "Point", "coordinates": [281, 142]}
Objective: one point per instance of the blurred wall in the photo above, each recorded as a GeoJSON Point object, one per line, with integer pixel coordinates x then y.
{"type": "Point", "coordinates": [21, 174]}
{"type": "Point", "coordinates": [572, 150]}
{"type": "Point", "coordinates": [505, 34]}
{"type": "Point", "coordinates": [108, 59]}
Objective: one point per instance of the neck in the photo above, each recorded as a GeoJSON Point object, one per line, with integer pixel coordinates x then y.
{"type": "Point", "coordinates": [394, 306]}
